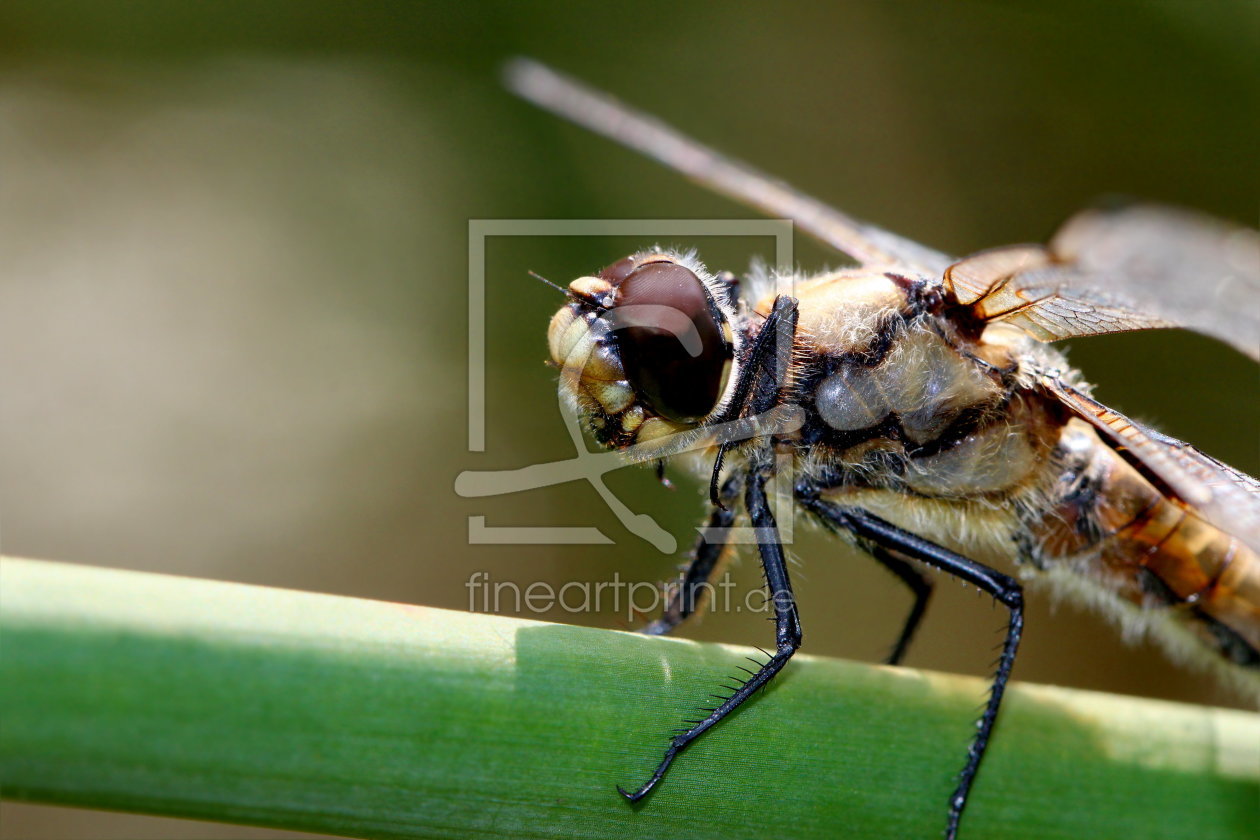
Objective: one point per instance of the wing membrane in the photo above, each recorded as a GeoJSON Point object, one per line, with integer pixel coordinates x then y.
{"type": "Point", "coordinates": [1187, 268]}
{"type": "Point", "coordinates": [1139, 268]}
{"type": "Point", "coordinates": [1227, 498]}
{"type": "Point", "coordinates": [603, 115]}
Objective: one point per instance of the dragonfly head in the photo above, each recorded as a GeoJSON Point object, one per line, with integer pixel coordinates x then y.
{"type": "Point", "coordinates": [645, 347]}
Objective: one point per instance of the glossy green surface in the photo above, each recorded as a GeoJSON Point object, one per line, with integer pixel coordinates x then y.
{"type": "Point", "coordinates": [220, 701]}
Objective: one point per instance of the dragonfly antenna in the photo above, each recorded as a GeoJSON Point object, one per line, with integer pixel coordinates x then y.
{"type": "Point", "coordinates": [558, 288]}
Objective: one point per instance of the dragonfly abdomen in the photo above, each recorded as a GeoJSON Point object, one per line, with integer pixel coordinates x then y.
{"type": "Point", "coordinates": [1110, 524]}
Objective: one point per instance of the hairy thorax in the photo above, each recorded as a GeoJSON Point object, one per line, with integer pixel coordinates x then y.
{"type": "Point", "coordinates": [914, 420]}
{"type": "Point", "coordinates": [947, 435]}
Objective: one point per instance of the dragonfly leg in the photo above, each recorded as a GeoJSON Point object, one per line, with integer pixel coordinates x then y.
{"type": "Point", "coordinates": [688, 597]}
{"type": "Point", "coordinates": [919, 584]}
{"type": "Point", "coordinates": [906, 572]}
{"type": "Point", "coordinates": [762, 373]}
{"type": "Point", "coordinates": [787, 631]}
{"type": "Point", "coordinates": [870, 528]}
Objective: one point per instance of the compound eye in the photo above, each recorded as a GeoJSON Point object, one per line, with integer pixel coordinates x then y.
{"type": "Point", "coordinates": [617, 273]}
{"type": "Point", "coordinates": [671, 343]}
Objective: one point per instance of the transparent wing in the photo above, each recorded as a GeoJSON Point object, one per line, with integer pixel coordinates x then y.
{"type": "Point", "coordinates": [1227, 498]}
{"type": "Point", "coordinates": [603, 115]}
{"type": "Point", "coordinates": [1134, 269]}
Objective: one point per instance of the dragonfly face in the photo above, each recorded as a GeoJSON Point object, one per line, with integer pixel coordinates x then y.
{"type": "Point", "coordinates": [938, 428]}
{"type": "Point", "coordinates": [644, 347]}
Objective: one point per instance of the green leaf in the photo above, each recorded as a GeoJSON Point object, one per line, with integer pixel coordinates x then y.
{"type": "Point", "coordinates": [221, 701]}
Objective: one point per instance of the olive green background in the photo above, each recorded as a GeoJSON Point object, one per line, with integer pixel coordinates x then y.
{"type": "Point", "coordinates": [233, 273]}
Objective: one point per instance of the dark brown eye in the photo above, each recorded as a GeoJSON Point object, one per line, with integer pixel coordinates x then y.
{"type": "Point", "coordinates": [618, 271]}
{"type": "Point", "coordinates": [671, 345]}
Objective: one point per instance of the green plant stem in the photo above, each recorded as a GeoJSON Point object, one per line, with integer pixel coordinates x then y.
{"type": "Point", "coordinates": [220, 701]}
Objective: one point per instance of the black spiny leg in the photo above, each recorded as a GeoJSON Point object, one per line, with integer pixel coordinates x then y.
{"type": "Point", "coordinates": [762, 374]}
{"type": "Point", "coordinates": [787, 634]}
{"type": "Point", "coordinates": [687, 599]}
{"type": "Point", "coordinates": [915, 580]}
{"type": "Point", "coordinates": [919, 584]}
{"type": "Point", "coordinates": [868, 527]}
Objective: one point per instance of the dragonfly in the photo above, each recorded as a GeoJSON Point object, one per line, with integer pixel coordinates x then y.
{"type": "Point", "coordinates": [921, 412]}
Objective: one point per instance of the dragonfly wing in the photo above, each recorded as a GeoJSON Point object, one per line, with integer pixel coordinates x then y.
{"type": "Point", "coordinates": [1140, 268]}
{"type": "Point", "coordinates": [600, 113]}
{"type": "Point", "coordinates": [1227, 498]}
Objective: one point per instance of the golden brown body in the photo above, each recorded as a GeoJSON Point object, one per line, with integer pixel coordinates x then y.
{"type": "Point", "coordinates": [1112, 524]}
{"type": "Point", "coordinates": [950, 436]}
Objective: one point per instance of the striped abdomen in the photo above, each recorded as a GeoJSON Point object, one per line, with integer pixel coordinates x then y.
{"type": "Point", "coordinates": [1111, 524]}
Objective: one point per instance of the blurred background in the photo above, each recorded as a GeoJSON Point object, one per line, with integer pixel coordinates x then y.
{"type": "Point", "coordinates": [234, 274]}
